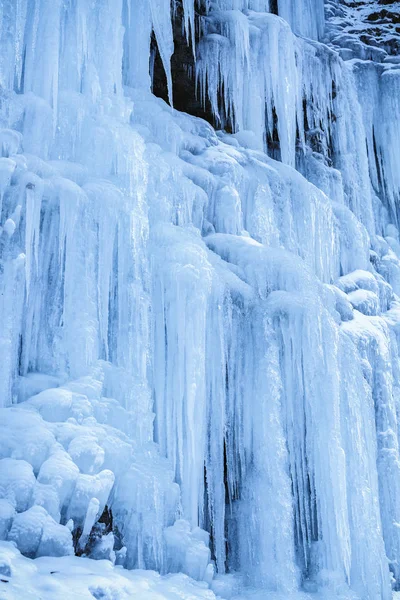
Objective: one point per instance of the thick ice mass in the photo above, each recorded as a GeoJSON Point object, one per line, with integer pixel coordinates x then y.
{"type": "Point", "coordinates": [200, 324]}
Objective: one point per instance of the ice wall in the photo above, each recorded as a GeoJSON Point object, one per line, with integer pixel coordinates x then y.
{"type": "Point", "coordinates": [194, 334]}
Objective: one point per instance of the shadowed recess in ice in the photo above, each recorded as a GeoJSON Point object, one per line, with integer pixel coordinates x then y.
{"type": "Point", "coordinates": [200, 325]}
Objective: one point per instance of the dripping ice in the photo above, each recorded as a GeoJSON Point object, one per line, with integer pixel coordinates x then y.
{"type": "Point", "coordinates": [199, 372]}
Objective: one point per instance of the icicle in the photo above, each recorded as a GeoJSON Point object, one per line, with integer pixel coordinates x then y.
{"type": "Point", "coordinates": [251, 83]}
{"type": "Point", "coordinates": [7, 167]}
{"type": "Point", "coordinates": [306, 17]}
{"type": "Point", "coordinates": [33, 188]}
{"type": "Point", "coordinates": [161, 19]}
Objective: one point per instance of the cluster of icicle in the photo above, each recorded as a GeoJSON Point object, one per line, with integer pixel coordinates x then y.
{"type": "Point", "coordinates": [248, 312]}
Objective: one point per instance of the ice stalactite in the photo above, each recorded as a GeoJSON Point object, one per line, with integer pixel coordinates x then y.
{"type": "Point", "coordinates": [200, 323]}
{"type": "Point", "coordinates": [306, 18]}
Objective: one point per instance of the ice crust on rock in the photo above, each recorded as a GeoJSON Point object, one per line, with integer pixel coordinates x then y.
{"type": "Point", "coordinates": [199, 329]}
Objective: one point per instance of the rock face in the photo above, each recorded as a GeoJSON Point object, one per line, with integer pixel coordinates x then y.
{"type": "Point", "coordinates": [367, 30]}
{"type": "Point", "coordinates": [200, 305]}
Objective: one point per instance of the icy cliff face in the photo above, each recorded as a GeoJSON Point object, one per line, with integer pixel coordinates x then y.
{"type": "Point", "coordinates": [200, 366]}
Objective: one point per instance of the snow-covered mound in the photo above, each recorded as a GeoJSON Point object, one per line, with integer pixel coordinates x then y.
{"type": "Point", "coordinates": [50, 578]}
{"type": "Point", "coordinates": [66, 468]}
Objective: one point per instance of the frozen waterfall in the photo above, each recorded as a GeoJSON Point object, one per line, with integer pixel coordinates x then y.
{"type": "Point", "coordinates": [199, 308]}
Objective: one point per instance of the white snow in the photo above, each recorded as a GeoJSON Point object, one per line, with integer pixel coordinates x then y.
{"type": "Point", "coordinates": [76, 578]}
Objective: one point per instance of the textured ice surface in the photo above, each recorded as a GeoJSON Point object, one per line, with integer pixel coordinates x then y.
{"type": "Point", "coordinates": [199, 329]}
{"type": "Point", "coordinates": [52, 578]}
